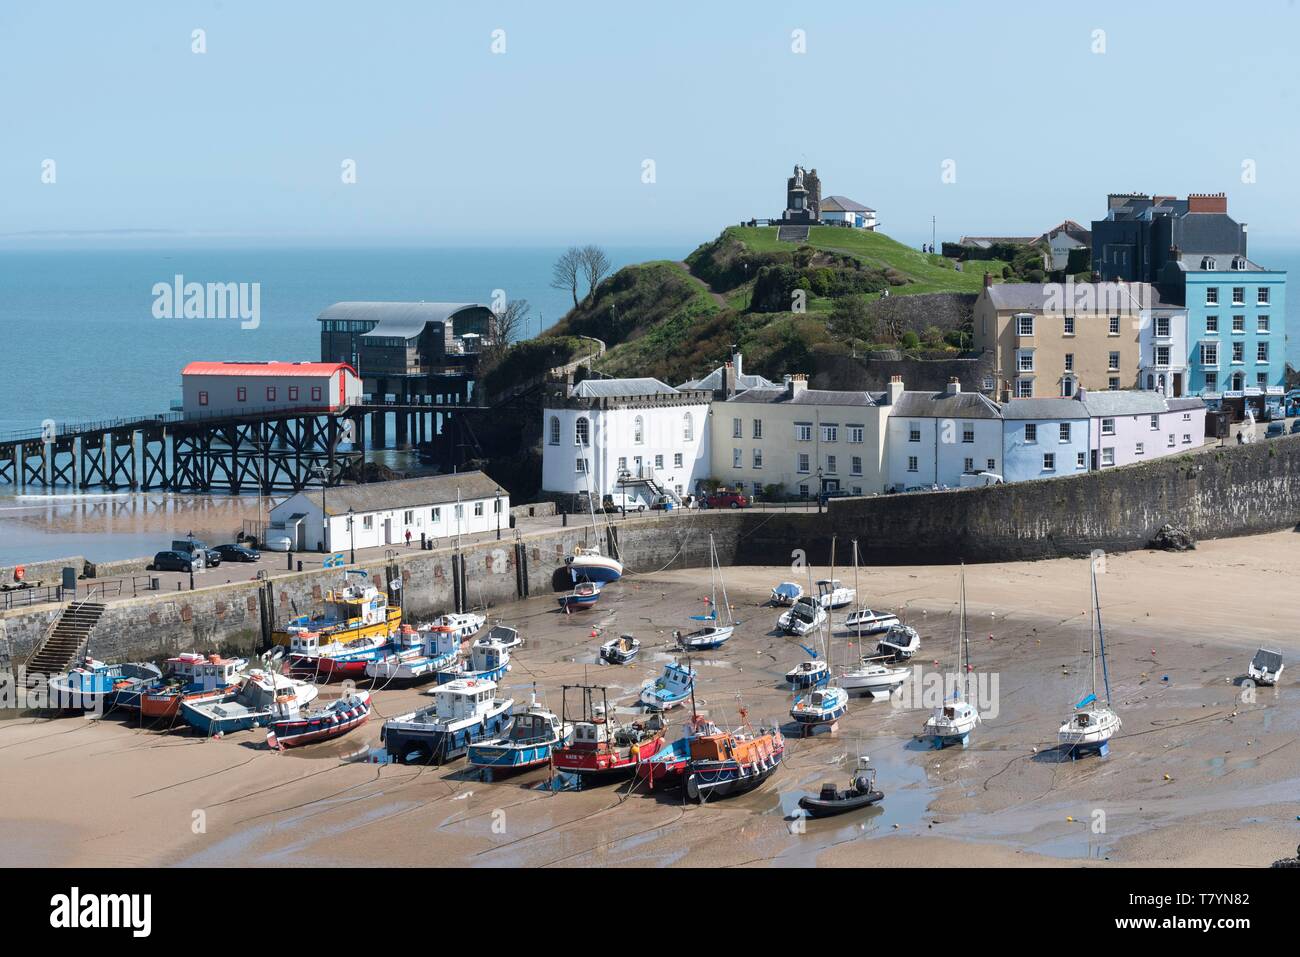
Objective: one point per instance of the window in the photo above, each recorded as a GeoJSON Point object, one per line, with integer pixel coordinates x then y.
{"type": "Point", "coordinates": [830, 464]}
{"type": "Point", "coordinates": [737, 458]}
{"type": "Point", "coordinates": [830, 433]}
{"type": "Point", "coordinates": [315, 393]}
{"type": "Point", "coordinates": [478, 509]}
{"type": "Point", "coordinates": [241, 394]}
{"type": "Point", "coordinates": [1024, 325]}
{"type": "Point", "coordinates": [367, 522]}
{"type": "Point", "coordinates": [1261, 352]}
{"type": "Point", "coordinates": [1113, 383]}
{"type": "Point", "coordinates": [677, 460]}
{"type": "Point", "coordinates": [1080, 461]}
{"type": "Point", "coordinates": [1171, 440]}
{"type": "Point", "coordinates": [968, 465]}
{"type": "Point", "coordinates": [1069, 362]}
{"type": "Point", "coordinates": [803, 432]}
{"type": "Point", "coordinates": [1031, 432]}
{"type": "Point", "coordinates": [496, 505]}
{"type": "Point", "coordinates": [1069, 325]}
{"type": "Point", "coordinates": [758, 428]}
{"type": "Point", "coordinates": [688, 428]}
{"type": "Point", "coordinates": [1211, 381]}
{"type": "Point", "coordinates": [1261, 296]}
{"type": "Point", "coordinates": [638, 431]}
{"type": "Point", "coordinates": [1212, 324]}
{"type": "Point", "coordinates": [1114, 325]}
{"type": "Point", "coordinates": [1209, 353]}
{"type": "Point", "coordinates": [1261, 379]}
{"type": "Point", "coordinates": [855, 434]}
{"type": "Point", "coordinates": [1187, 416]}
{"type": "Point", "coordinates": [911, 463]}
{"type": "Point", "coordinates": [581, 466]}
{"type": "Point", "coordinates": [1024, 388]}
{"type": "Point", "coordinates": [554, 438]}
{"type": "Point", "coordinates": [408, 518]}
{"type": "Point", "coordinates": [803, 490]}
{"type": "Point", "coordinates": [993, 464]}
{"type": "Point", "coordinates": [1139, 449]}
{"type": "Point", "coordinates": [1211, 294]}
{"type": "Point", "coordinates": [803, 462]}
{"type": "Point", "coordinates": [293, 393]}
{"type": "Point", "coordinates": [1067, 387]}
{"type": "Point", "coordinates": [435, 516]}
{"type": "Point", "coordinates": [855, 465]}
{"type": "Point", "coordinates": [758, 458]}
{"type": "Point", "coordinates": [988, 383]}
{"type": "Point", "coordinates": [914, 432]}
{"type": "Point", "coordinates": [1064, 431]}
{"type": "Point", "coordinates": [270, 393]}
{"type": "Point", "coordinates": [659, 461]}
{"type": "Point", "coordinates": [857, 490]}
{"type": "Point", "coordinates": [1187, 438]}
{"type": "Point", "coordinates": [622, 463]}
{"type": "Point", "coordinates": [203, 398]}
{"type": "Point", "coordinates": [1262, 325]}
{"type": "Point", "coordinates": [1238, 352]}
{"type": "Point", "coordinates": [1238, 323]}
{"type": "Point", "coordinates": [1108, 456]}
{"type": "Point", "coordinates": [737, 429]}
{"type": "Point", "coordinates": [1112, 361]}
{"type": "Point", "coordinates": [460, 512]}
{"type": "Point", "coordinates": [1049, 461]}
{"type": "Point", "coordinates": [1025, 360]}
{"type": "Point", "coordinates": [1162, 326]}
{"type": "Point", "coordinates": [1155, 423]}
{"type": "Point", "coordinates": [1238, 295]}
{"type": "Point", "coordinates": [967, 433]}
{"type": "Point", "coordinates": [1162, 355]}
{"type": "Point", "coordinates": [1107, 426]}
{"type": "Point", "coordinates": [582, 431]}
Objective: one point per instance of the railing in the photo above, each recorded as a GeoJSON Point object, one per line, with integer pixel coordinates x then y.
{"type": "Point", "coordinates": [165, 418]}
{"type": "Point", "coordinates": [23, 597]}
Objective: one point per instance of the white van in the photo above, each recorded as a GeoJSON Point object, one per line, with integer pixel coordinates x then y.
{"type": "Point", "coordinates": [624, 502]}
{"type": "Point", "coordinates": [980, 479]}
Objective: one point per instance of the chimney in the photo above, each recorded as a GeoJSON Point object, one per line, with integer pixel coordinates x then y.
{"type": "Point", "coordinates": [794, 384]}
{"type": "Point", "coordinates": [953, 387]}
{"type": "Point", "coordinates": [728, 380]}
{"type": "Point", "coordinates": [988, 280]}
{"type": "Point", "coordinates": [737, 361]}
{"type": "Point", "coordinates": [1080, 393]}
{"type": "Point", "coordinates": [895, 389]}
{"type": "Point", "coordinates": [1207, 202]}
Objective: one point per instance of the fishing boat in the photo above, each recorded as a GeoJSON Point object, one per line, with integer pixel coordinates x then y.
{"type": "Point", "coordinates": [601, 748]}
{"type": "Point", "coordinates": [324, 657]}
{"type": "Point", "coordinates": [832, 594]}
{"type": "Point", "coordinates": [710, 762]}
{"type": "Point", "coordinates": [864, 621]}
{"type": "Point", "coordinates": [503, 635]}
{"type": "Point", "coordinates": [620, 650]}
{"type": "Point", "coordinates": [670, 689]}
{"type": "Point", "coordinates": [584, 595]}
{"type": "Point", "coordinates": [487, 662]}
{"type": "Point", "coordinates": [900, 643]}
{"type": "Point", "coordinates": [1266, 667]}
{"type": "Point", "coordinates": [417, 656]}
{"type": "Point", "coordinates": [465, 624]}
{"type": "Point", "coordinates": [262, 697]}
{"type": "Point", "coordinates": [588, 564]}
{"type": "Point", "coordinates": [96, 686]}
{"type": "Point", "coordinates": [1093, 724]}
{"type": "Point", "coordinates": [464, 711]}
{"type": "Point", "coordinates": [873, 677]}
{"type": "Point", "coordinates": [805, 615]}
{"type": "Point", "coordinates": [861, 792]}
{"type": "Point", "coordinates": [954, 720]}
{"type": "Point", "coordinates": [332, 721]}
{"type": "Point", "coordinates": [716, 633]}
{"type": "Point", "coordinates": [821, 706]}
{"type": "Point", "coordinates": [357, 610]}
{"type": "Point", "coordinates": [190, 677]}
{"type": "Point", "coordinates": [786, 594]}
{"type": "Point", "coordinates": [534, 734]}
{"type": "Point", "coordinates": [812, 673]}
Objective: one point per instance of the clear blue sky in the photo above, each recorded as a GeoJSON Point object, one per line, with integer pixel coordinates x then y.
{"type": "Point", "coordinates": [545, 143]}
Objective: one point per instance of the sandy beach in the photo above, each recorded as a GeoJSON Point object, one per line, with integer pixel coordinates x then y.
{"type": "Point", "coordinates": [1197, 776]}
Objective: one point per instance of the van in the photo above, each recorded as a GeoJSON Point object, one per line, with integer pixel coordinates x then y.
{"type": "Point", "coordinates": [980, 479]}
{"type": "Point", "coordinates": [623, 502]}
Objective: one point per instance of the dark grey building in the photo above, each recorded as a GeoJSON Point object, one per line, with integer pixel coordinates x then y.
{"type": "Point", "coordinates": [1141, 233]}
{"type": "Point", "coordinates": [385, 339]}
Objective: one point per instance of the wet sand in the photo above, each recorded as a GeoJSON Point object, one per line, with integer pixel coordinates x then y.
{"type": "Point", "coordinates": [1196, 776]}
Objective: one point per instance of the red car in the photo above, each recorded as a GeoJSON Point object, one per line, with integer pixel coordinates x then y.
{"type": "Point", "coordinates": [723, 498]}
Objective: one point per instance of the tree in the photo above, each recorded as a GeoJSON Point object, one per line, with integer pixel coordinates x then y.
{"type": "Point", "coordinates": [508, 323]}
{"type": "Point", "coordinates": [851, 318]}
{"type": "Point", "coordinates": [565, 272]}
{"type": "Point", "coordinates": [595, 266]}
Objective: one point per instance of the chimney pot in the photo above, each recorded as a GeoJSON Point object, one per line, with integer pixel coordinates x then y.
{"type": "Point", "coordinates": [988, 280]}
{"type": "Point", "coordinates": [954, 386]}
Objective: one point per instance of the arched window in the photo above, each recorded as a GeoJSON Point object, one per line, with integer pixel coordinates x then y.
{"type": "Point", "coordinates": [1238, 381]}
{"type": "Point", "coordinates": [688, 428]}
{"type": "Point", "coordinates": [583, 431]}
{"type": "Point", "coordinates": [638, 431]}
{"type": "Point", "coordinates": [555, 430]}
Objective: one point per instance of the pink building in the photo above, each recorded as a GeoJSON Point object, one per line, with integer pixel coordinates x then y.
{"type": "Point", "coordinates": [1129, 426]}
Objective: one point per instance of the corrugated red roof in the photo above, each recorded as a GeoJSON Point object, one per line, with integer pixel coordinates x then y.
{"type": "Point", "coordinates": [266, 368]}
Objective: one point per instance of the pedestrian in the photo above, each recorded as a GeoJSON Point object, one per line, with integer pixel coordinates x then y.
{"type": "Point", "coordinates": [408, 538]}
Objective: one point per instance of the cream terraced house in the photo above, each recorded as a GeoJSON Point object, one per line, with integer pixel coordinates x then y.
{"type": "Point", "coordinates": [805, 440]}
{"type": "Point", "coordinates": [1048, 339]}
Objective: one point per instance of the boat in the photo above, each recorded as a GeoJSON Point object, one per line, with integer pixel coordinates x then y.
{"type": "Point", "coordinates": [487, 662]}
{"type": "Point", "coordinates": [873, 677]}
{"type": "Point", "coordinates": [670, 689]}
{"type": "Point", "coordinates": [861, 792]}
{"type": "Point", "coordinates": [954, 720]}
{"type": "Point", "coordinates": [812, 673]}
{"type": "Point", "coordinates": [262, 697]}
{"type": "Point", "coordinates": [710, 762]}
{"type": "Point", "coordinates": [832, 594]}
{"type": "Point", "coordinates": [601, 748]}
{"type": "Point", "coordinates": [786, 594]}
{"type": "Point", "coordinates": [1093, 724]}
{"type": "Point", "coordinates": [821, 706]}
{"type": "Point", "coordinates": [864, 621]}
{"type": "Point", "coordinates": [715, 634]}
{"type": "Point", "coordinates": [96, 686]}
{"type": "Point", "coordinates": [534, 735]}
{"type": "Point", "coordinates": [416, 656]}
{"type": "Point", "coordinates": [588, 564]}
{"type": "Point", "coordinates": [620, 650]}
{"type": "Point", "coordinates": [584, 595]}
{"type": "Point", "coordinates": [465, 624]}
{"type": "Point", "coordinates": [321, 657]}
{"type": "Point", "coordinates": [900, 643]}
{"type": "Point", "coordinates": [332, 721]}
{"type": "Point", "coordinates": [1266, 667]}
{"type": "Point", "coordinates": [190, 677]}
{"type": "Point", "coordinates": [509, 638]}
{"type": "Point", "coordinates": [805, 615]}
{"type": "Point", "coordinates": [464, 711]}
{"type": "Point", "coordinates": [356, 611]}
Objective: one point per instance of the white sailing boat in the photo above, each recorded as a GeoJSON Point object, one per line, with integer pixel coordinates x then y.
{"type": "Point", "coordinates": [956, 718]}
{"type": "Point", "coordinates": [1093, 724]}
{"type": "Point", "coordinates": [712, 635]}
{"type": "Point", "coordinates": [871, 676]}
{"type": "Point", "coordinates": [587, 563]}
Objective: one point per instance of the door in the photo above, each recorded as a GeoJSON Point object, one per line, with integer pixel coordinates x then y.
{"type": "Point", "coordinates": [388, 531]}
{"type": "Point", "coordinates": [1178, 385]}
{"type": "Point", "coordinates": [636, 462]}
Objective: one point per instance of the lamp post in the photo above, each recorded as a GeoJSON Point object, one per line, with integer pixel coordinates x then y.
{"type": "Point", "coordinates": [819, 490]}
{"type": "Point", "coordinates": [352, 535]}
{"type": "Point", "coordinates": [323, 474]}
{"type": "Point", "coordinates": [498, 507]}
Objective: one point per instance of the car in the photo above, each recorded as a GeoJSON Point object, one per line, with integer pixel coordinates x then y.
{"type": "Point", "coordinates": [664, 503]}
{"type": "Point", "coordinates": [1295, 426]}
{"type": "Point", "coordinates": [237, 553]}
{"type": "Point", "coordinates": [1275, 430]}
{"type": "Point", "coordinates": [172, 561]}
{"type": "Point", "coordinates": [190, 546]}
{"type": "Point", "coordinates": [725, 498]}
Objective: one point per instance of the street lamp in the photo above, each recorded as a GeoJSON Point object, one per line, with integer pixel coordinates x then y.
{"type": "Point", "coordinates": [819, 490]}
{"type": "Point", "coordinates": [323, 474]}
{"type": "Point", "coordinates": [352, 535]}
{"type": "Point", "coordinates": [498, 507]}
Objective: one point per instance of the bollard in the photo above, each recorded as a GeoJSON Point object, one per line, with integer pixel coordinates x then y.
{"type": "Point", "coordinates": [288, 564]}
{"type": "Point", "coordinates": [300, 565]}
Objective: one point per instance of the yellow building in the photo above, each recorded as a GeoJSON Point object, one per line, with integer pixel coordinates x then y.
{"type": "Point", "coordinates": [1048, 339]}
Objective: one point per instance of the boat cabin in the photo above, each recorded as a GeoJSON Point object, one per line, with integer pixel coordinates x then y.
{"type": "Point", "coordinates": [464, 698]}
{"type": "Point", "coordinates": [806, 609]}
{"type": "Point", "coordinates": [675, 680]}
{"type": "Point", "coordinates": [503, 635]}
{"type": "Point", "coordinates": [826, 586]}
{"type": "Point", "coordinates": [534, 726]}
{"type": "Point", "coordinates": [488, 656]}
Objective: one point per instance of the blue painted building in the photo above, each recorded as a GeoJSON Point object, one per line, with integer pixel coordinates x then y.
{"type": "Point", "coordinates": [1044, 438]}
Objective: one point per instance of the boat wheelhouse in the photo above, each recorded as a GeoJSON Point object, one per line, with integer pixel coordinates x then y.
{"type": "Point", "coordinates": [534, 734]}
{"type": "Point", "coordinates": [465, 624]}
{"type": "Point", "coordinates": [417, 657]}
{"type": "Point", "coordinates": [95, 686]}
{"type": "Point", "coordinates": [487, 662]}
{"type": "Point", "coordinates": [1266, 667]}
{"type": "Point", "coordinates": [263, 696]}
{"type": "Point", "coordinates": [356, 611]}
{"type": "Point", "coordinates": [321, 657]}
{"type": "Point", "coordinates": [601, 748]}
{"type": "Point", "coordinates": [670, 689]}
{"type": "Point", "coordinates": [190, 677]}
{"type": "Point", "coordinates": [805, 615]}
{"type": "Point", "coordinates": [464, 711]}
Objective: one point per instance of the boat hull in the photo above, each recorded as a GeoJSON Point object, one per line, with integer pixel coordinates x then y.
{"type": "Point", "coordinates": [603, 570]}
{"type": "Point", "coordinates": [319, 727]}
{"type": "Point", "coordinates": [819, 807]}
{"type": "Point", "coordinates": [607, 764]}
{"type": "Point", "coordinates": [166, 705]}
{"type": "Point", "coordinates": [705, 781]}
{"type": "Point", "coordinates": [440, 745]}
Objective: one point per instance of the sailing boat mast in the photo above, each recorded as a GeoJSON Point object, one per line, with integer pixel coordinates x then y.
{"type": "Point", "coordinates": [1101, 636]}
{"type": "Point", "coordinates": [857, 605]}
{"type": "Point", "coordinates": [715, 564]}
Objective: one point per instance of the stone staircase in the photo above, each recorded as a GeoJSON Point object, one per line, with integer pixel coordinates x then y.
{"type": "Point", "coordinates": [65, 642]}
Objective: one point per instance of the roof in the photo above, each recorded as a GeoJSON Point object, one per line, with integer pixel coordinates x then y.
{"type": "Point", "coordinates": [404, 493]}
{"type": "Point", "coordinates": [397, 320]}
{"type": "Point", "coordinates": [1185, 402]}
{"type": "Point", "coordinates": [963, 405]}
{"type": "Point", "coordinates": [808, 397]}
{"type": "Point", "coordinates": [1035, 297]}
{"type": "Point", "coordinates": [620, 388]}
{"type": "Point", "coordinates": [1123, 402]}
{"type": "Point", "coordinates": [1046, 408]}
{"type": "Point", "coordinates": [842, 204]}
{"type": "Point", "coordinates": [266, 368]}
{"type": "Point", "coordinates": [1192, 262]}
{"type": "Point", "coordinates": [983, 242]}
{"type": "Point", "coordinates": [713, 382]}
{"type": "Point", "coordinates": [1070, 228]}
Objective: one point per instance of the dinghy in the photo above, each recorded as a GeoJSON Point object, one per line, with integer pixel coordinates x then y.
{"type": "Point", "coordinates": [332, 721]}
{"type": "Point", "coordinates": [262, 697]}
{"type": "Point", "coordinates": [1093, 724]}
{"type": "Point", "coordinates": [620, 650]}
{"type": "Point", "coordinates": [534, 734]}
{"type": "Point", "coordinates": [804, 616]}
{"type": "Point", "coordinates": [465, 711]}
{"type": "Point", "coordinates": [786, 594]}
{"type": "Point", "coordinates": [670, 689]}
{"type": "Point", "coordinates": [1266, 667]}
{"type": "Point", "coordinates": [860, 793]}
{"type": "Point", "coordinates": [584, 595]}
{"type": "Point", "coordinates": [900, 643]}
{"type": "Point", "coordinates": [601, 749]}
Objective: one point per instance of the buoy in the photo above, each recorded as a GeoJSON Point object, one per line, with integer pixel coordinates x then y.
{"type": "Point", "coordinates": [1164, 677]}
{"type": "Point", "coordinates": [1069, 820]}
{"type": "Point", "coordinates": [1167, 778]}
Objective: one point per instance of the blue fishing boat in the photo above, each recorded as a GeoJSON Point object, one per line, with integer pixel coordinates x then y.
{"type": "Point", "coordinates": [95, 686]}
{"type": "Point", "coordinates": [813, 673]}
{"type": "Point", "coordinates": [263, 697]}
{"type": "Point", "coordinates": [534, 735]}
{"type": "Point", "coordinates": [820, 706]}
{"type": "Point", "coordinates": [332, 721]}
{"type": "Point", "coordinates": [488, 661]}
{"type": "Point", "coordinates": [584, 595]}
{"type": "Point", "coordinates": [464, 711]}
{"type": "Point", "coordinates": [670, 689]}
{"type": "Point", "coordinates": [416, 656]}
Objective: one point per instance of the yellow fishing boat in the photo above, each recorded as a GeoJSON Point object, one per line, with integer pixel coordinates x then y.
{"type": "Point", "coordinates": [357, 610]}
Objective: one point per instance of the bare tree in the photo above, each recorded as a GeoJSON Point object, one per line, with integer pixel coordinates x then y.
{"type": "Point", "coordinates": [565, 273]}
{"type": "Point", "coordinates": [595, 266]}
{"type": "Point", "coordinates": [508, 323]}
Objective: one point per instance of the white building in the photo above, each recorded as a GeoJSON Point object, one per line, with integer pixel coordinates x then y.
{"type": "Point", "coordinates": [935, 438]}
{"type": "Point", "coordinates": [226, 388]}
{"type": "Point", "coordinates": [382, 513]}
{"type": "Point", "coordinates": [639, 436]}
{"type": "Point", "coordinates": [842, 210]}
{"type": "Point", "coordinates": [1162, 347]}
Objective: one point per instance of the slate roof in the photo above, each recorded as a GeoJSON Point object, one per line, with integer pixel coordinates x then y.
{"type": "Point", "coordinates": [962, 405]}
{"type": "Point", "coordinates": [398, 320]}
{"type": "Point", "coordinates": [405, 493]}
{"type": "Point", "coordinates": [1034, 296]}
{"type": "Point", "coordinates": [713, 382]}
{"type": "Point", "coordinates": [1185, 402]}
{"type": "Point", "coordinates": [620, 388]}
{"type": "Point", "coordinates": [1127, 402]}
{"type": "Point", "coordinates": [1046, 408]}
{"type": "Point", "coordinates": [810, 397]}
{"type": "Point", "coordinates": [842, 204]}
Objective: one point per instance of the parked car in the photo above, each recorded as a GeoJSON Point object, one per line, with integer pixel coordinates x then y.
{"type": "Point", "coordinates": [1275, 430]}
{"type": "Point", "coordinates": [172, 561]}
{"type": "Point", "coordinates": [725, 498]}
{"type": "Point", "coordinates": [664, 502]}
{"type": "Point", "coordinates": [1295, 426]}
{"type": "Point", "coordinates": [833, 493]}
{"type": "Point", "coordinates": [237, 553]}
{"type": "Point", "coordinates": [211, 557]}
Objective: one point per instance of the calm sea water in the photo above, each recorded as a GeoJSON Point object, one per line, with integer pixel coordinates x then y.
{"type": "Point", "coordinates": [81, 341]}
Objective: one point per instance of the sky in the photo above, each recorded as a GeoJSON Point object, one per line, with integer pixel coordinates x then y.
{"type": "Point", "coordinates": [646, 123]}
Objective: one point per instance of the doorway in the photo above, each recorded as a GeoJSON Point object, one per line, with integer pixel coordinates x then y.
{"type": "Point", "coordinates": [388, 531]}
